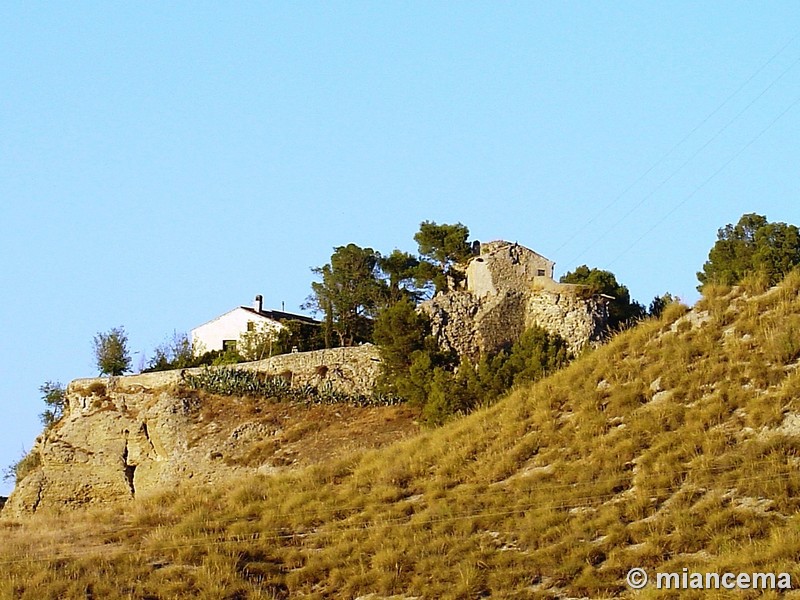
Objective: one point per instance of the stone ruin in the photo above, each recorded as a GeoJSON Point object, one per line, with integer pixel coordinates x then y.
{"type": "Point", "coordinates": [504, 290]}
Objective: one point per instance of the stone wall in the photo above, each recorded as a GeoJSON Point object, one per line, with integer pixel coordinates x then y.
{"type": "Point", "coordinates": [510, 288]}
{"type": "Point", "coordinates": [470, 324]}
{"type": "Point", "coordinates": [580, 321]}
{"type": "Point", "coordinates": [352, 370]}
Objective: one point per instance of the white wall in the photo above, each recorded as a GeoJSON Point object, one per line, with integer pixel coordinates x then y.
{"type": "Point", "coordinates": [479, 279]}
{"type": "Point", "coordinates": [229, 326]}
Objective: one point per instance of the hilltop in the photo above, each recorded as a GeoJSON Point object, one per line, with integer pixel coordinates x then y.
{"type": "Point", "coordinates": [676, 445]}
{"type": "Point", "coordinates": [122, 437]}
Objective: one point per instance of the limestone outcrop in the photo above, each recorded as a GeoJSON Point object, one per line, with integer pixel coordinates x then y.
{"type": "Point", "coordinates": [508, 289]}
{"type": "Point", "coordinates": [125, 436]}
{"type": "Point", "coordinates": [122, 437]}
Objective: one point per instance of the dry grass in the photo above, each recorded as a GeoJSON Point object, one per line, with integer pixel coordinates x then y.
{"type": "Point", "coordinates": [665, 449]}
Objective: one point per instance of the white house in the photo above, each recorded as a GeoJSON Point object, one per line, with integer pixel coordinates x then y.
{"type": "Point", "coordinates": [223, 333]}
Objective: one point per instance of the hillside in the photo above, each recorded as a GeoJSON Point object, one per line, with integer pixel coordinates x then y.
{"type": "Point", "coordinates": [674, 446]}
{"type": "Point", "coordinates": [123, 437]}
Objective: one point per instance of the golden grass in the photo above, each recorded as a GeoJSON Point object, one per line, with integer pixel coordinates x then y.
{"type": "Point", "coordinates": [662, 449]}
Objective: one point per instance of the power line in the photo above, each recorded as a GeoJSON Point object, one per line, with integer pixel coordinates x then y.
{"type": "Point", "coordinates": [706, 182]}
{"type": "Point", "coordinates": [685, 163]}
{"type": "Point", "coordinates": [275, 534]}
{"type": "Point", "coordinates": [675, 147]}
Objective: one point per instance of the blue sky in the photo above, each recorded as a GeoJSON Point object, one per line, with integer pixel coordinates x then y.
{"type": "Point", "coordinates": [161, 163]}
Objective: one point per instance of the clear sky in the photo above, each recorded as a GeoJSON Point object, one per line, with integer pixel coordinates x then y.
{"type": "Point", "coordinates": [161, 163]}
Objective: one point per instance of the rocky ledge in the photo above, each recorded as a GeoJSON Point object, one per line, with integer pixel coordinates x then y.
{"type": "Point", "coordinates": [127, 436]}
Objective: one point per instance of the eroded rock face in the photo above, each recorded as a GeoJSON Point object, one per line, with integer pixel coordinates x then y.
{"type": "Point", "coordinates": [126, 436]}
{"type": "Point", "coordinates": [114, 441]}
{"type": "Point", "coordinates": [581, 321]}
{"type": "Point", "coordinates": [509, 289]}
{"type": "Point", "coordinates": [471, 325]}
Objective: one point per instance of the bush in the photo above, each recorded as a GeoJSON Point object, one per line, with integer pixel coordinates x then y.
{"type": "Point", "coordinates": [23, 467]}
{"type": "Point", "coordinates": [111, 352]}
{"type": "Point", "coordinates": [211, 358]}
{"type": "Point", "coordinates": [174, 353]}
{"type": "Point", "coordinates": [242, 382]}
{"type": "Point", "coordinates": [54, 395]}
{"type": "Point", "coordinates": [660, 303]}
{"type": "Point", "coordinates": [416, 370]}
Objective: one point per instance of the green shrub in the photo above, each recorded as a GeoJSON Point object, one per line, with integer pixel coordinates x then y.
{"type": "Point", "coordinates": [241, 382]}
{"type": "Point", "coordinates": [23, 467]}
{"type": "Point", "coordinates": [54, 395]}
{"type": "Point", "coordinates": [415, 369]}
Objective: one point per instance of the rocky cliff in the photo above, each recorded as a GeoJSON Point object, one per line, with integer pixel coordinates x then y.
{"type": "Point", "coordinates": [471, 324]}
{"type": "Point", "coordinates": [507, 289]}
{"type": "Point", "coordinates": [123, 437]}
{"type": "Point", "coordinates": [127, 436]}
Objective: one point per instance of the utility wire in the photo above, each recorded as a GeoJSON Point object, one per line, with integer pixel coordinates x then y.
{"type": "Point", "coordinates": [675, 147]}
{"type": "Point", "coordinates": [684, 163]}
{"type": "Point", "coordinates": [706, 182]}
{"type": "Point", "coordinates": [585, 501]}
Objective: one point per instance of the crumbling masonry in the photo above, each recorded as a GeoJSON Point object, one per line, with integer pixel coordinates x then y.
{"type": "Point", "coordinates": [507, 289]}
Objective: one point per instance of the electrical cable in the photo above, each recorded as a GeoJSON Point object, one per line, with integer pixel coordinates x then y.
{"type": "Point", "coordinates": [683, 164]}
{"type": "Point", "coordinates": [708, 117]}
{"type": "Point", "coordinates": [706, 182]}
{"type": "Point", "coordinates": [585, 501]}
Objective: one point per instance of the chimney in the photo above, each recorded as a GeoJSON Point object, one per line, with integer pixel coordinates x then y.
{"type": "Point", "coordinates": [258, 303]}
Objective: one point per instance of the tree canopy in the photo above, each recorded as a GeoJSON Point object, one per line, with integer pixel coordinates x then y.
{"type": "Point", "coordinates": [442, 245]}
{"type": "Point", "coordinates": [621, 309]}
{"type": "Point", "coordinates": [402, 275]}
{"type": "Point", "coordinates": [358, 282]}
{"type": "Point", "coordinates": [349, 294]}
{"type": "Point", "coordinates": [111, 352]}
{"type": "Point", "coordinates": [752, 245]}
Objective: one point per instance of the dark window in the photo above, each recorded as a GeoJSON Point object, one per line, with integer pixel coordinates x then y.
{"type": "Point", "coordinates": [540, 273]}
{"type": "Point", "coordinates": [251, 326]}
{"type": "Point", "coordinates": [229, 345]}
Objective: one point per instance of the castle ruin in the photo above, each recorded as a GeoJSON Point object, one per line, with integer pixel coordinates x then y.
{"type": "Point", "coordinates": [508, 288]}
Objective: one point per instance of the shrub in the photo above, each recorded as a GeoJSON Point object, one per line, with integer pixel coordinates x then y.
{"type": "Point", "coordinates": [111, 352]}
{"type": "Point", "coordinates": [241, 382]}
{"type": "Point", "coordinates": [178, 353]}
{"type": "Point", "coordinates": [23, 467]}
{"type": "Point", "coordinates": [54, 395]}
{"type": "Point", "coordinates": [673, 311]}
{"type": "Point", "coordinates": [415, 369]}
{"type": "Point", "coordinates": [174, 353]}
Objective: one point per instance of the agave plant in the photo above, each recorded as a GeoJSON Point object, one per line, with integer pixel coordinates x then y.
{"type": "Point", "coordinates": [228, 381]}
